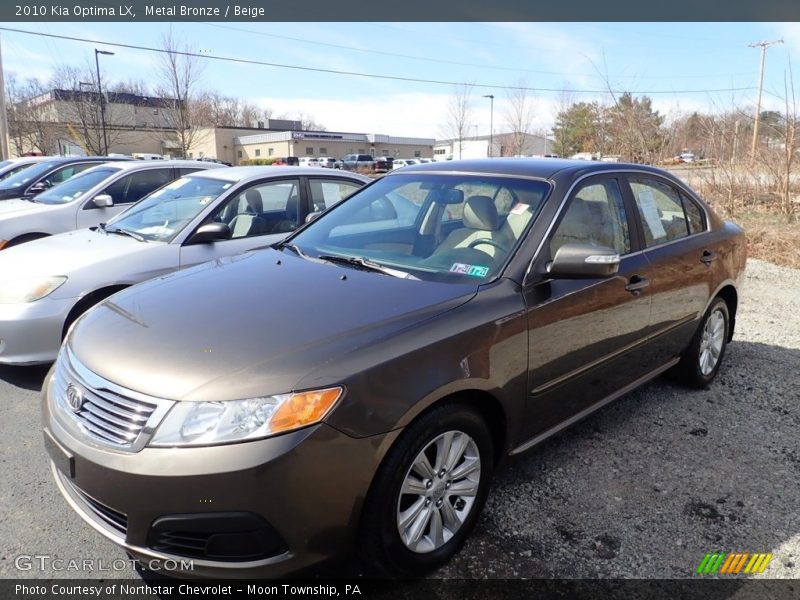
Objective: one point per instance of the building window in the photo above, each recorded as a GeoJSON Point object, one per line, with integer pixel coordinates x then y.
{"type": "Point", "coordinates": [258, 151]}
{"type": "Point", "coordinates": [323, 151]}
{"type": "Point", "coordinates": [239, 154]}
{"type": "Point", "coordinates": [309, 151]}
{"type": "Point", "coordinates": [270, 151]}
{"type": "Point", "coordinates": [417, 153]}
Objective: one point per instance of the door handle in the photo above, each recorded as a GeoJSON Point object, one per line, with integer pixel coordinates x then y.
{"type": "Point", "coordinates": [637, 284]}
{"type": "Point", "coordinates": [708, 257]}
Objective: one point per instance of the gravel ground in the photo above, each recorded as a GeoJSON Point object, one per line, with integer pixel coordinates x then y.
{"type": "Point", "coordinates": [643, 488]}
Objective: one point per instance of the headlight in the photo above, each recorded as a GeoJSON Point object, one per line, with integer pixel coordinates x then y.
{"type": "Point", "coordinates": [28, 290]}
{"type": "Point", "coordinates": [208, 423]}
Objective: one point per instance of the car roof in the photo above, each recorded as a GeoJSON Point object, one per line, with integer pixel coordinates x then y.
{"type": "Point", "coordinates": [545, 168]}
{"type": "Point", "coordinates": [237, 174]}
{"type": "Point", "coordinates": [138, 165]}
{"type": "Point", "coordinates": [99, 159]}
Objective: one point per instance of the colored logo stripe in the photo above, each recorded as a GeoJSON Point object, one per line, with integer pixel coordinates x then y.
{"type": "Point", "coordinates": [733, 563]}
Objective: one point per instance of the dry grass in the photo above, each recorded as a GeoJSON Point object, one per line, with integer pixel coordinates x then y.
{"type": "Point", "coordinates": [770, 237]}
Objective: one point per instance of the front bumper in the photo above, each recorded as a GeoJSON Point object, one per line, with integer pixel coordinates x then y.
{"type": "Point", "coordinates": [30, 333]}
{"type": "Point", "coordinates": [308, 486]}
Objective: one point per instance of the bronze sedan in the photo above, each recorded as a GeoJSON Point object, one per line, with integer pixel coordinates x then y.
{"type": "Point", "coordinates": [352, 388]}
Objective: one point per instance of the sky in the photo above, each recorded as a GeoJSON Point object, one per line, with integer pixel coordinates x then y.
{"type": "Point", "coordinates": [683, 67]}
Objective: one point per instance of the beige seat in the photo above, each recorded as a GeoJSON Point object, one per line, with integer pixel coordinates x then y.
{"type": "Point", "coordinates": [249, 223]}
{"type": "Point", "coordinates": [481, 222]}
{"type": "Point", "coordinates": [585, 222]}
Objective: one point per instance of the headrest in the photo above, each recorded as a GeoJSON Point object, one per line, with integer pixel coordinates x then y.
{"type": "Point", "coordinates": [254, 203]}
{"type": "Point", "coordinates": [480, 213]}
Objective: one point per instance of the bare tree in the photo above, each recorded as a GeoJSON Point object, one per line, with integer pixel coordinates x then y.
{"type": "Point", "coordinates": [30, 120]}
{"type": "Point", "coordinates": [519, 118]}
{"type": "Point", "coordinates": [77, 103]}
{"type": "Point", "coordinates": [458, 119]}
{"type": "Point", "coordinates": [179, 74]}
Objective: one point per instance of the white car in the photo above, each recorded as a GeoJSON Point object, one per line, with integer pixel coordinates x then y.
{"type": "Point", "coordinates": [327, 162]}
{"type": "Point", "coordinates": [87, 199]}
{"type": "Point", "coordinates": [687, 157]}
{"type": "Point", "coordinates": [309, 161]}
{"type": "Point", "coordinates": [208, 215]}
{"type": "Point", "coordinates": [404, 162]}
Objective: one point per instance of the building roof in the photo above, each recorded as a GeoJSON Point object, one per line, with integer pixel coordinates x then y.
{"type": "Point", "coordinates": [333, 136]}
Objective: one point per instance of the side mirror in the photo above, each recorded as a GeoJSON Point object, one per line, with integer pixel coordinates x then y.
{"type": "Point", "coordinates": [103, 201]}
{"type": "Point", "coordinates": [313, 215]}
{"type": "Point", "coordinates": [39, 187]}
{"type": "Point", "coordinates": [210, 232]}
{"type": "Point", "coordinates": [583, 261]}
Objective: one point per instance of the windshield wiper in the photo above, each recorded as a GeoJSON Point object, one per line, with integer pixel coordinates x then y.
{"type": "Point", "coordinates": [366, 264]}
{"type": "Point", "coordinates": [121, 231]}
{"type": "Point", "coordinates": [293, 247]}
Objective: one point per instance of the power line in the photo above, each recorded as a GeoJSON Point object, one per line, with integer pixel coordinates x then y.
{"type": "Point", "coordinates": [364, 75]}
{"type": "Point", "coordinates": [452, 62]}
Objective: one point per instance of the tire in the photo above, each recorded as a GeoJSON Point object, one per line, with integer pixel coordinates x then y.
{"type": "Point", "coordinates": [26, 238]}
{"type": "Point", "coordinates": [701, 360]}
{"type": "Point", "coordinates": [424, 510]}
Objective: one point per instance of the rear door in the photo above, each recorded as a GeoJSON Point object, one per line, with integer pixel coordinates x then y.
{"type": "Point", "coordinates": [259, 214]}
{"type": "Point", "coordinates": [584, 333]}
{"type": "Point", "coordinates": [673, 229]}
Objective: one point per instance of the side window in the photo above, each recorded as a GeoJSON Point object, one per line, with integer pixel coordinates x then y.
{"type": "Point", "coordinates": [144, 182]}
{"type": "Point", "coordinates": [594, 215]}
{"type": "Point", "coordinates": [186, 170]}
{"type": "Point", "coordinates": [660, 209]}
{"type": "Point", "coordinates": [694, 215]}
{"type": "Point", "coordinates": [61, 175]}
{"type": "Point", "coordinates": [261, 209]}
{"type": "Point", "coordinates": [326, 192]}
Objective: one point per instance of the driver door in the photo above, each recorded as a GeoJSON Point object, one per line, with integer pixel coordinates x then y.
{"type": "Point", "coordinates": [258, 215]}
{"type": "Point", "coordinates": [584, 333]}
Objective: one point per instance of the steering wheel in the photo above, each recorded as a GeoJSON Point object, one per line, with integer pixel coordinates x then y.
{"type": "Point", "coordinates": [474, 243]}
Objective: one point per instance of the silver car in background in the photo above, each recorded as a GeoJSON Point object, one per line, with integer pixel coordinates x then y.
{"type": "Point", "coordinates": [88, 198]}
{"type": "Point", "coordinates": [47, 283]}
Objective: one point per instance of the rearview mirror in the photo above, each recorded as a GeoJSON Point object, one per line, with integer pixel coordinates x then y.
{"type": "Point", "coordinates": [103, 201]}
{"type": "Point", "coordinates": [210, 232]}
{"type": "Point", "coordinates": [313, 215]}
{"type": "Point", "coordinates": [583, 261]}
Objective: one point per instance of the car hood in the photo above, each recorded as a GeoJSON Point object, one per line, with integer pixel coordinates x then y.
{"type": "Point", "coordinates": [64, 253]}
{"type": "Point", "coordinates": [248, 325]}
{"type": "Point", "coordinates": [12, 209]}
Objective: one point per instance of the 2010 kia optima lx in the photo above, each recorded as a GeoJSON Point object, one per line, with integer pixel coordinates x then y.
{"type": "Point", "coordinates": [354, 386]}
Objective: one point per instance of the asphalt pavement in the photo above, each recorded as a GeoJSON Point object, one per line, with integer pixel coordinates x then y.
{"type": "Point", "coordinates": [643, 488]}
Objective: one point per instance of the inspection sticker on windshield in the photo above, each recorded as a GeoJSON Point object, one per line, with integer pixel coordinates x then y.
{"type": "Point", "coordinates": [520, 208]}
{"type": "Point", "coordinates": [474, 270]}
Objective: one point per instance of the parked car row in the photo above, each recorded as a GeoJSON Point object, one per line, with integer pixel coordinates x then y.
{"type": "Point", "coordinates": [259, 369]}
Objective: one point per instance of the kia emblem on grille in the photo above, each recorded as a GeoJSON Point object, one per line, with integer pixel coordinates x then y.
{"type": "Point", "coordinates": [74, 398]}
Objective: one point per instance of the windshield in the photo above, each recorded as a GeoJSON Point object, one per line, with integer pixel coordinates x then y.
{"type": "Point", "coordinates": [163, 214]}
{"type": "Point", "coordinates": [75, 187]}
{"type": "Point", "coordinates": [28, 175]}
{"type": "Point", "coordinates": [440, 227]}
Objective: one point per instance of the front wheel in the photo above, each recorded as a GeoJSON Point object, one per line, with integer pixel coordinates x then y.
{"type": "Point", "coordinates": [700, 362]}
{"type": "Point", "coordinates": [428, 493]}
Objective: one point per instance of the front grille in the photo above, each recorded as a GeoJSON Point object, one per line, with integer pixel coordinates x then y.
{"type": "Point", "coordinates": [101, 410]}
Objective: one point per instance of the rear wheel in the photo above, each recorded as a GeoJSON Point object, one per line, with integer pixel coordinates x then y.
{"type": "Point", "coordinates": [26, 238]}
{"type": "Point", "coordinates": [700, 362]}
{"type": "Point", "coordinates": [428, 493]}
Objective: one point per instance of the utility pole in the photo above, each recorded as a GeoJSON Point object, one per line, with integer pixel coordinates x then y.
{"type": "Point", "coordinates": [97, 53]}
{"type": "Point", "coordinates": [3, 115]}
{"type": "Point", "coordinates": [491, 122]}
{"type": "Point", "coordinates": [763, 45]}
